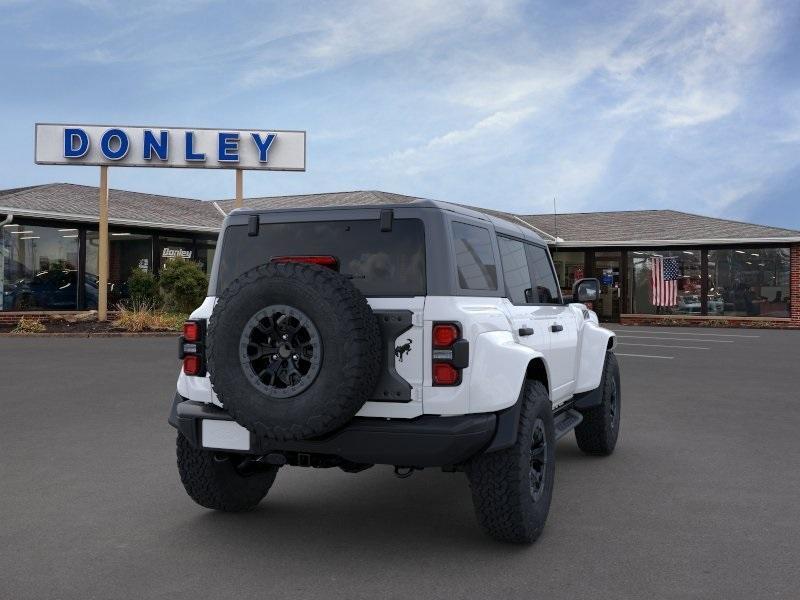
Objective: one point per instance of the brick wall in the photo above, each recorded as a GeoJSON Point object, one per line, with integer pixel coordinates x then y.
{"type": "Point", "coordinates": [795, 284]}
{"type": "Point", "coordinates": [12, 318]}
{"type": "Point", "coordinates": [710, 321]}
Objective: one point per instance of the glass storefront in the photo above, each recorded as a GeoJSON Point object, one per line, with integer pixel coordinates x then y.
{"type": "Point", "coordinates": [665, 282]}
{"type": "Point", "coordinates": [607, 270]}
{"type": "Point", "coordinates": [126, 252]}
{"type": "Point", "coordinates": [749, 282]}
{"type": "Point", "coordinates": [176, 247]}
{"type": "Point", "coordinates": [205, 254]}
{"type": "Point", "coordinates": [39, 268]}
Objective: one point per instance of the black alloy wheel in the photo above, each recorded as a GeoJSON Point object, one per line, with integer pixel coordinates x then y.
{"type": "Point", "coordinates": [538, 460]}
{"type": "Point", "coordinates": [280, 351]}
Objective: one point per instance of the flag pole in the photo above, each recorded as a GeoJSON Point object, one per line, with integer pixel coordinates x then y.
{"type": "Point", "coordinates": [102, 267]}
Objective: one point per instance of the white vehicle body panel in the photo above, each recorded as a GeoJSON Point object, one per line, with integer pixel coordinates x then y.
{"type": "Point", "coordinates": [593, 341]}
{"type": "Point", "coordinates": [498, 372]}
{"type": "Point", "coordinates": [498, 359]}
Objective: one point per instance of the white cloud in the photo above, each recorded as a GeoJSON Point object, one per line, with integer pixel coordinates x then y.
{"type": "Point", "coordinates": [322, 41]}
{"type": "Point", "coordinates": [457, 145]}
{"type": "Point", "coordinates": [683, 65]}
{"type": "Point", "coordinates": [690, 65]}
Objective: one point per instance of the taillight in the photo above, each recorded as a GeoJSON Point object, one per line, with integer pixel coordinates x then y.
{"type": "Point", "coordinates": [445, 374]}
{"type": "Point", "coordinates": [191, 331]}
{"type": "Point", "coordinates": [444, 334]}
{"type": "Point", "coordinates": [191, 348]}
{"type": "Point", "coordinates": [450, 354]}
{"type": "Point", "coordinates": [192, 364]}
{"type": "Point", "coordinates": [323, 261]}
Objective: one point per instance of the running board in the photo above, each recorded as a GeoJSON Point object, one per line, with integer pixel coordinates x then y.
{"type": "Point", "coordinates": [566, 421]}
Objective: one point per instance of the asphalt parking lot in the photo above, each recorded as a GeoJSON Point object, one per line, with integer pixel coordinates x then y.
{"type": "Point", "coordinates": [699, 501]}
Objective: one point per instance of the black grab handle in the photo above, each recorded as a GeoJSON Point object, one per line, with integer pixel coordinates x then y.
{"type": "Point", "coordinates": [523, 331]}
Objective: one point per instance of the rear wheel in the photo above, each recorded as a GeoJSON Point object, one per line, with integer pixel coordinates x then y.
{"type": "Point", "coordinates": [598, 432]}
{"type": "Point", "coordinates": [512, 488]}
{"type": "Point", "coordinates": [222, 481]}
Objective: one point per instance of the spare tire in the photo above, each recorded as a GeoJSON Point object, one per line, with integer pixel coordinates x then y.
{"type": "Point", "coordinates": [293, 350]}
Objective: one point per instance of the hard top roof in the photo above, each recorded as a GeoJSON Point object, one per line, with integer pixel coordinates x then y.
{"type": "Point", "coordinates": [384, 200]}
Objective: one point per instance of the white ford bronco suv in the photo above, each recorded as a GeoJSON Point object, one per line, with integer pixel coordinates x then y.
{"type": "Point", "coordinates": [414, 334]}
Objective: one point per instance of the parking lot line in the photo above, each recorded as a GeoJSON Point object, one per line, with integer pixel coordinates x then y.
{"type": "Point", "coordinates": [662, 346]}
{"type": "Point", "coordinates": [737, 335]}
{"type": "Point", "coordinates": [650, 337]}
{"type": "Point", "coordinates": [644, 355]}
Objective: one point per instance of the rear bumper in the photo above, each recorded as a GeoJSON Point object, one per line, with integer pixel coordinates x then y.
{"type": "Point", "coordinates": [427, 441]}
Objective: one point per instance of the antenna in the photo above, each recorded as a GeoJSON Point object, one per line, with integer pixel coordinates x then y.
{"type": "Point", "coordinates": [555, 222]}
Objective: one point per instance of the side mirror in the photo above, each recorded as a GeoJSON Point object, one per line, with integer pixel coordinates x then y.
{"type": "Point", "coordinates": [586, 290]}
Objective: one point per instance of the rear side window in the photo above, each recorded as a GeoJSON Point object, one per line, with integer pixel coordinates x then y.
{"type": "Point", "coordinates": [515, 270]}
{"type": "Point", "coordinates": [474, 257]}
{"type": "Point", "coordinates": [379, 263]}
{"type": "Point", "coordinates": [544, 280]}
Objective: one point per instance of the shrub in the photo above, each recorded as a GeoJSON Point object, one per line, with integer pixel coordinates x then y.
{"type": "Point", "coordinates": [183, 285]}
{"type": "Point", "coordinates": [143, 288]}
{"type": "Point", "coordinates": [143, 317]}
{"type": "Point", "coordinates": [29, 325]}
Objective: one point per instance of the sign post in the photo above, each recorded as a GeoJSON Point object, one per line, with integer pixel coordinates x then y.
{"type": "Point", "coordinates": [239, 188]}
{"type": "Point", "coordinates": [102, 257]}
{"type": "Point", "coordinates": [164, 147]}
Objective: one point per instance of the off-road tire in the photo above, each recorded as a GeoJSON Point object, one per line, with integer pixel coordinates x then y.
{"type": "Point", "coordinates": [598, 432]}
{"type": "Point", "coordinates": [501, 481]}
{"type": "Point", "coordinates": [211, 479]}
{"type": "Point", "coordinates": [351, 350]}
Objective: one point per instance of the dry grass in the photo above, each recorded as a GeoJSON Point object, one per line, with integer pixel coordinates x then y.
{"type": "Point", "coordinates": [29, 325]}
{"type": "Point", "coordinates": [143, 317]}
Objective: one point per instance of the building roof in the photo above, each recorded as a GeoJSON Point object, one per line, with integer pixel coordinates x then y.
{"type": "Point", "coordinates": [649, 227]}
{"type": "Point", "coordinates": [72, 202]}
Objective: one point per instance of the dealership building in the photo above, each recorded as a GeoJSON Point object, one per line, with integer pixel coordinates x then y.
{"type": "Point", "coordinates": [718, 270]}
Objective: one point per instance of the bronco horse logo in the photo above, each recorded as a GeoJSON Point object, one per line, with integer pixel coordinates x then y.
{"type": "Point", "coordinates": [399, 351]}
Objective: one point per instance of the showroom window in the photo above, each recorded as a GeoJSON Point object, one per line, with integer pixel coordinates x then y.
{"type": "Point", "coordinates": [205, 254]}
{"type": "Point", "coordinates": [127, 252]}
{"type": "Point", "coordinates": [39, 267]}
{"type": "Point", "coordinates": [181, 248]}
{"type": "Point", "coordinates": [570, 267]}
{"type": "Point", "coordinates": [749, 282]}
{"type": "Point", "coordinates": [665, 282]}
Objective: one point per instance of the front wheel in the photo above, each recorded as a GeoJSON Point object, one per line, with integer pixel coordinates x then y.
{"type": "Point", "coordinates": [512, 488]}
{"type": "Point", "coordinates": [598, 432]}
{"type": "Point", "coordinates": [222, 481]}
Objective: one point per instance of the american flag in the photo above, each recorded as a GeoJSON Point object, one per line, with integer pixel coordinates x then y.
{"type": "Point", "coordinates": [664, 275]}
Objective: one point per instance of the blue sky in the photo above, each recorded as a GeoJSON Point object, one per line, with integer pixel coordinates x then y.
{"type": "Point", "coordinates": [607, 106]}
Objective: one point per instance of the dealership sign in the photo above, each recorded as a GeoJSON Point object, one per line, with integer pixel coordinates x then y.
{"type": "Point", "coordinates": [122, 146]}
{"type": "Point", "coordinates": [176, 253]}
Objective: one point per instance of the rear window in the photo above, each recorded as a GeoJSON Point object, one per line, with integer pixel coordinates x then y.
{"type": "Point", "coordinates": [388, 263]}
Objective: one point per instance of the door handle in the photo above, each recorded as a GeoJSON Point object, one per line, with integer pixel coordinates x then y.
{"type": "Point", "coordinates": [523, 331]}
{"type": "Point", "coordinates": [555, 328]}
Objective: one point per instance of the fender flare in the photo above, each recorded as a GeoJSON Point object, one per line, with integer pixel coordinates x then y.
{"type": "Point", "coordinates": [499, 364]}
{"type": "Point", "coordinates": [523, 361]}
{"type": "Point", "coordinates": [595, 341]}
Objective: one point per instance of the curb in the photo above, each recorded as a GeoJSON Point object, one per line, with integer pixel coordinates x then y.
{"type": "Point", "coordinates": [89, 334]}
